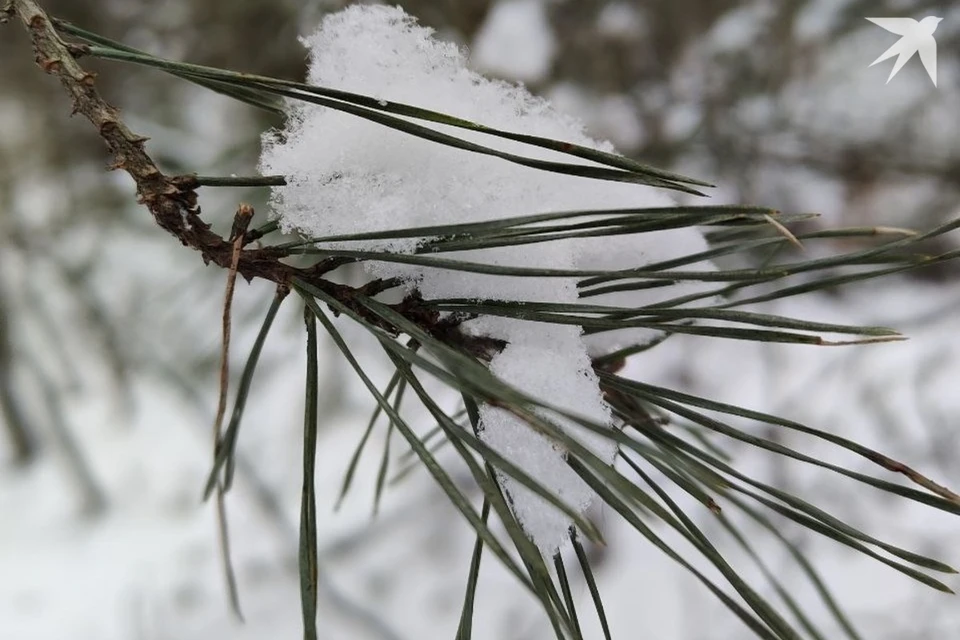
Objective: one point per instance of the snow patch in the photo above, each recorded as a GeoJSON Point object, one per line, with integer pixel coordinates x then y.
{"type": "Point", "coordinates": [348, 175]}
{"type": "Point", "coordinates": [524, 363]}
{"type": "Point", "coordinates": [622, 20]}
{"type": "Point", "coordinates": [516, 41]}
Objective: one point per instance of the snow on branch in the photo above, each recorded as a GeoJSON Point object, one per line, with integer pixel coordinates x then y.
{"type": "Point", "coordinates": [348, 175]}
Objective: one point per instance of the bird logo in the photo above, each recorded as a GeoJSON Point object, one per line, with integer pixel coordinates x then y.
{"type": "Point", "coordinates": [915, 36]}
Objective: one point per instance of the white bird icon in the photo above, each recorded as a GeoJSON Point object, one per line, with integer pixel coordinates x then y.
{"type": "Point", "coordinates": [917, 36]}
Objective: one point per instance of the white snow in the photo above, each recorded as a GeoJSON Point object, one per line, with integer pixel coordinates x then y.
{"type": "Point", "coordinates": [516, 41]}
{"type": "Point", "coordinates": [612, 116]}
{"type": "Point", "coordinates": [738, 28]}
{"type": "Point", "coordinates": [621, 20]}
{"type": "Point", "coordinates": [348, 175]}
{"type": "Point", "coordinates": [546, 347]}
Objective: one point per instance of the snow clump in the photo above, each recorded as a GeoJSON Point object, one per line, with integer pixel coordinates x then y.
{"type": "Point", "coordinates": [349, 175]}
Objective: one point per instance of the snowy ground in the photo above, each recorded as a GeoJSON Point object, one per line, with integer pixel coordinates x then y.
{"type": "Point", "coordinates": [149, 567]}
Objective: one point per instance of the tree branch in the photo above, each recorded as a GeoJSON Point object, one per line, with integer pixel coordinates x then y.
{"type": "Point", "coordinates": [174, 206]}
{"type": "Point", "coordinates": [172, 200]}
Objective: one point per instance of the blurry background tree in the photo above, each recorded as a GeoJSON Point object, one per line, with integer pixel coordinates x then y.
{"type": "Point", "coordinates": [103, 323]}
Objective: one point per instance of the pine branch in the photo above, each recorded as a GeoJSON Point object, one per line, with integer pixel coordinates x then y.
{"type": "Point", "coordinates": [438, 347]}
{"type": "Point", "coordinates": [172, 200]}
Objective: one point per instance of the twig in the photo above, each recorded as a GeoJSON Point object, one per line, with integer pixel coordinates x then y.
{"type": "Point", "coordinates": [171, 200]}
{"type": "Point", "coordinates": [240, 223]}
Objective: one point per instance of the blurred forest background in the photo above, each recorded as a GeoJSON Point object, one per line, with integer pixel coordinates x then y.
{"type": "Point", "coordinates": [109, 330]}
